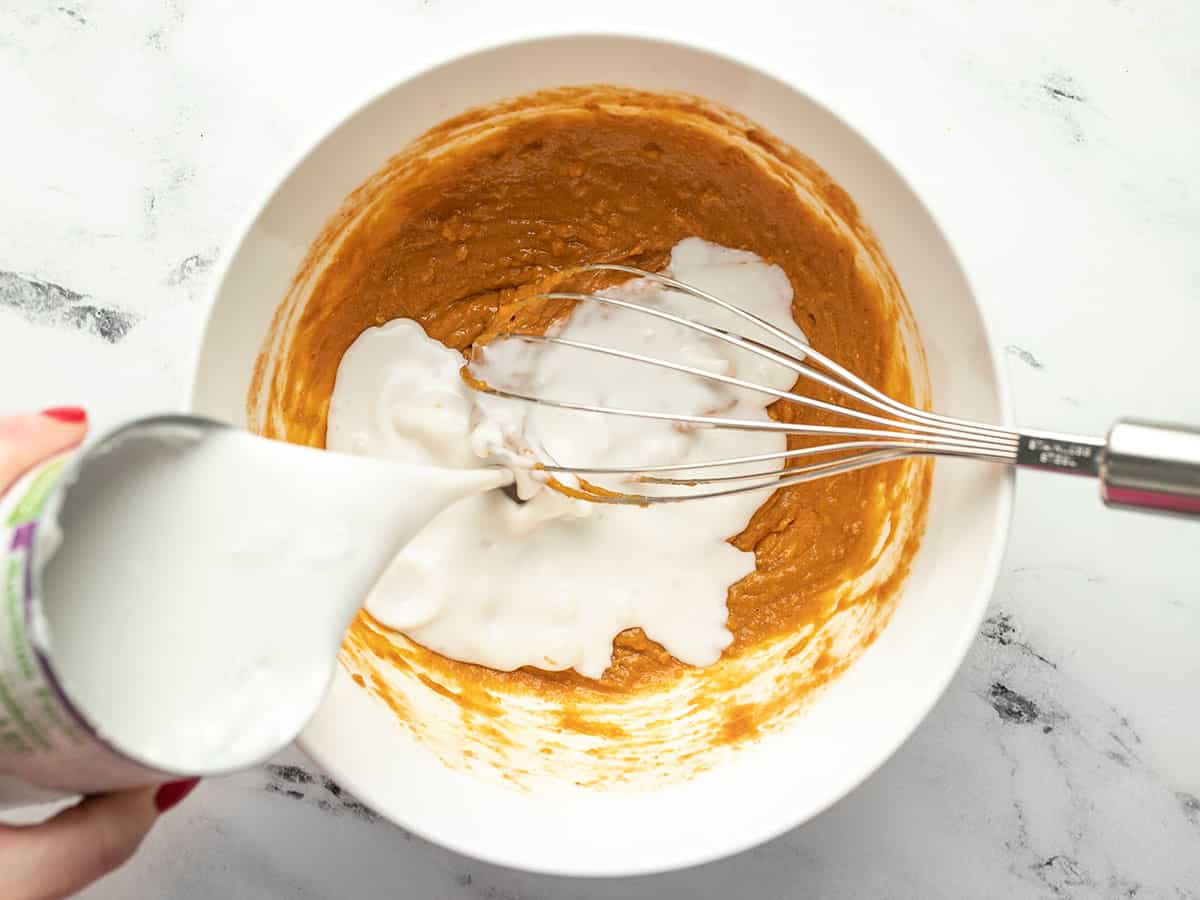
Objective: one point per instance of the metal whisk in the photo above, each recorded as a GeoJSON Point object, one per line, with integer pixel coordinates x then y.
{"type": "Point", "coordinates": [1141, 464]}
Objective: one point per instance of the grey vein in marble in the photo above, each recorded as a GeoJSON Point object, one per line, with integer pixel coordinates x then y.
{"type": "Point", "coordinates": [1043, 742]}
{"type": "Point", "coordinates": [1025, 356]}
{"type": "Point", "coordinates": [190, 267]}
{"type": "Point", "coordinates": [1062, 88]}
{"type": "Point", "coordinates": [47, 303]}
{"type": "Point", "coordinates": [999, 629]}
{"type": "Point", "coordinates": [1066, 96]}
{"type": "Point", "coordinates": [176, 178]}
{"type": "Point", "coordinates": [74, 14]}
{"type": "Point", "coordinates": [174, 14]}
{"type": "Point", "coordinates": [1191, 806]}
{"type": "Point", "coordinates": [319, 790]}
{"type": "Point", "coordinates": [1011, 706]}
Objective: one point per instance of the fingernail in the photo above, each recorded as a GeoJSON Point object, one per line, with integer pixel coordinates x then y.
{"type": "Point", "coordinates": [172, 792]}
{"type": "Point", "coordinates": [71, 414]}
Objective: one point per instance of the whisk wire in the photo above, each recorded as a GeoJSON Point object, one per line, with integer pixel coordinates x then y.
{"type": "Point", "coordinates": [900, 430]}
{"type": "Point", "coordinates": [799, 399]}
{"type": "Point", "coordinates": [910, 416]}
{"type": "Point", "coordinates": [847, 377]}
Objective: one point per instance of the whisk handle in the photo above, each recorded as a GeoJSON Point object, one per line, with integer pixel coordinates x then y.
{"type": "Point", "coordinates": [1152, 466]}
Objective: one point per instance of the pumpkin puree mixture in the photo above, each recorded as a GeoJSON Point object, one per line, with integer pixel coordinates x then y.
{"type": "Point", "coordinates": [507, 201]}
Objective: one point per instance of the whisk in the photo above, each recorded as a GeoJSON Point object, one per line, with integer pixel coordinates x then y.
{"type": "Point", "coordinates": [1140, 464]}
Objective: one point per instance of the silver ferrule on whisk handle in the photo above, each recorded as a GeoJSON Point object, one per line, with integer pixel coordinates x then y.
{"type": "Point", "coordinates": [1152, 466]}
{"type": "Point", "coordinates": [1063, 453]}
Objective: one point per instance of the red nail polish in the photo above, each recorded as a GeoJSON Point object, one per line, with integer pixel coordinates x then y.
{"type": "Point", "coordinates": [72, 414]}
{"type": "Point", "coordinates": [172, 792]}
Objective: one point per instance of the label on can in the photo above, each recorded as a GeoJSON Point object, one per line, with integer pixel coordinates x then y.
{"type": "Point", "coordinates": [44, 741]}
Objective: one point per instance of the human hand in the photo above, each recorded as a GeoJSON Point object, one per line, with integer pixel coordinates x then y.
{"type": "Point", "coordinates": [72, 849]}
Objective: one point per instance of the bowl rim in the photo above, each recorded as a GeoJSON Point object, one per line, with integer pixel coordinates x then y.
{"type": "Point", "coordinates": [455, 52]}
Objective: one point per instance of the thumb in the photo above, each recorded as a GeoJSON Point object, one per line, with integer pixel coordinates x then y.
{"type": "Point", "coordinates": [28, 439]}
{"type": "Point", "coordinates": [74, 848]}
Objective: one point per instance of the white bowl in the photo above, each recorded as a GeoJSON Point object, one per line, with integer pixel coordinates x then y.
{"type": "Point", "coordinates": [863, 717]}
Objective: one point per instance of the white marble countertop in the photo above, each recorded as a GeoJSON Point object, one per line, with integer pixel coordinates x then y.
{"type": "Point", "coordinates": [1058, 142]}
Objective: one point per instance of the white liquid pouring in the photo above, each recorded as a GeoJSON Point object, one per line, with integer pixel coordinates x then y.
{"type": "Point", "coordinates": [551, 583]}
{"type": "Point", "coordinates": [196, 601]}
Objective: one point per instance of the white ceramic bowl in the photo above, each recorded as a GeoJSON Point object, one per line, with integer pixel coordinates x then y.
{"type": "Point", "coordinates": [855, 725]}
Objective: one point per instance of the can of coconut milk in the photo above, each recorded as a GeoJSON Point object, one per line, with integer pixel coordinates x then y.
{"type": "Point", "coordinates": [48, 748]}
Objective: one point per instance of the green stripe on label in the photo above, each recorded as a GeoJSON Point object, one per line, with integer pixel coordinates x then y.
{"type": "Point", "coordinates": [18, 717]}
{"type": "Point", "coordinates": [52, 712]}
{"type": "Point", "coordinates": [14, 596]}
{"type": "Point", "coordinates": [29, 507]}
